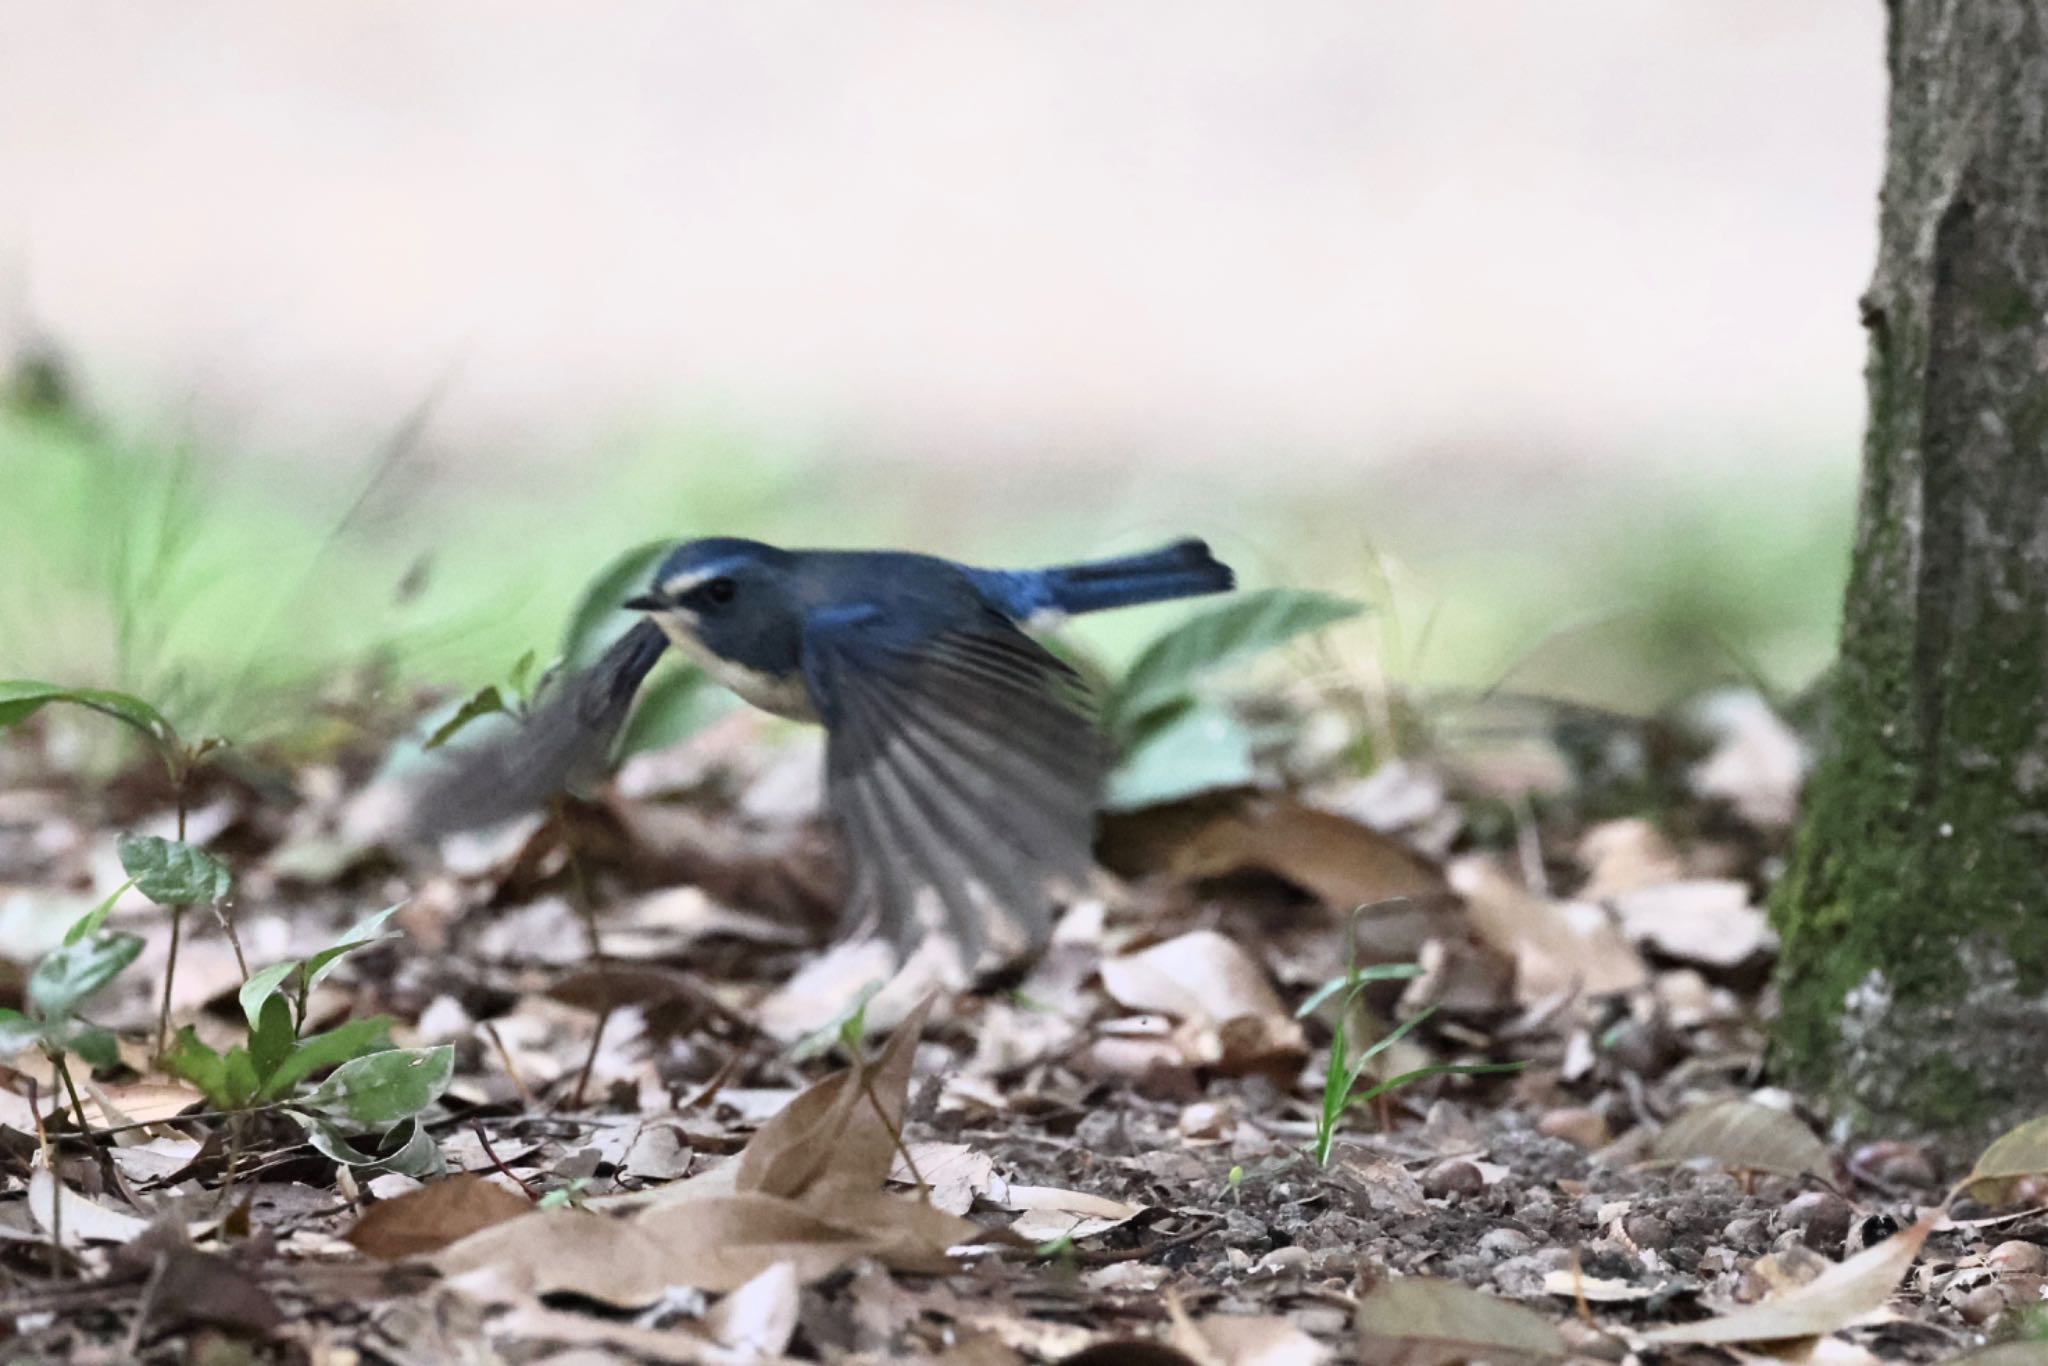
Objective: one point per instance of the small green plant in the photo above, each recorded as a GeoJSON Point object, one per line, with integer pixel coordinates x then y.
{"type": "Point", "coordinates": [85, 963]}
{"type": "Point", "coordinates": [169, 872]}
{"type": "Point", "coordinates": [1346, 1070]}
{"type": "Point", "coordinates": [374, 1088]}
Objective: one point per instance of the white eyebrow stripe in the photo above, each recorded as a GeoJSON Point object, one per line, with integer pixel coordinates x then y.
{"type": "Point", "coordinates": [682, 583]}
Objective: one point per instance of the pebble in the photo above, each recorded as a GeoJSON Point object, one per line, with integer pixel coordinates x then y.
{"type": "Point", "coordinates": [1451, 1178]}
{"type": "Point", "coordinates": [1584, 1340]}
{"type": "Point", "coordinates": [1647, 1231]}
{"type": "Point", "coordinates": [1982, 1305]}
{"type": "Point", "coordinates": [1894, 1163]}
{"type": "Point", "coordinates": [2017, 1257]}
{"type": "Point", "coordinates": [1582, 1128]}
{"type": "Point", "coordinates": [1821, 1217]}
{"type": "Point", "coordinates": [1283, 1261]}
{"type": "Point", "coordinates": [1500, 1243]}
{"type": "Point", "coordinates": [1745, 1233]}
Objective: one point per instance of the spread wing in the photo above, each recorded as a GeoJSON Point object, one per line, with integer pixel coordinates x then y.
{"type": "Point", "coordinates": [963, 771]}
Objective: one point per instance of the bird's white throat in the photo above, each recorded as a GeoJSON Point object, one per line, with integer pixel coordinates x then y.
{"type": "Point", "coordinates": [782, 696]}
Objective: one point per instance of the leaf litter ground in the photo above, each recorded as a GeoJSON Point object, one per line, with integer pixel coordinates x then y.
{"type": "Point", "coordinates": [709, 1137]}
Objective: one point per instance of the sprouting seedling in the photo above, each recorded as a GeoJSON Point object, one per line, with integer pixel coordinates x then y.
{"type": "Point", "coordinates": [512, 698]}
{"type": "Point", "coordinates": [1341, 1079]}
{"type": "Point", "coordinates": [62, 980]}
{"type": "Point", "coordinates": [169, 872]}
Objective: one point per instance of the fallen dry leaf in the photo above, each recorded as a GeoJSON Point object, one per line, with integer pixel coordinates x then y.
{"type": "Point", "coordinates": [1341, 862]}
{"type": "Point", "coordinates": [430, 1218]}
{"type": "Point", "coordinates": [1232, 1017]}
{"type": "Point", "coordinates": [1415, 1320]}
{"type": "Point", "coordinates": [1048, 1212]}
{"type": "Point", "coordinates": [759, 1318]}
{"type": "Point", "coordinates": [806, 1191]}
{"type": "Point", "coordinates": [1556, 946]}
{"type": "Point", "coordinates": [953, 1173]}
{"type": "Point", "coordinates": [1742, 1135]}
{"type": "Point", "coordinates": [2013, 1156]}
{"type": "Point", "coordinates": [1705, 920]}
{"type": "Point", "coordinates": [1836, 1298]}
{"type": "Point", "coordinates": [1243, 1340]}
{"type": "Point", "coordinates": [82, 1220]}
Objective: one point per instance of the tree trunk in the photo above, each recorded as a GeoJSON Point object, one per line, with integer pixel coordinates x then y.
{"type": "Point", "coordinates": [1914, 972]}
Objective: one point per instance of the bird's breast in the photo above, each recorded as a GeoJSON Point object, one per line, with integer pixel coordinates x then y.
{"type": "Point", "coordinates": [782, 694]}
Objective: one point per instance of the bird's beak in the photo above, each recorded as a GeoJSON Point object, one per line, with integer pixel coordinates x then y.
{"type": "Point", "coordinates": [646, 602]}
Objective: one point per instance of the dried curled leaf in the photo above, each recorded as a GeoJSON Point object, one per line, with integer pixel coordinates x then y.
{"type": "Point", "coordinates": [2013, 1156]}
{"type": "Point", "coordinates": [1743, 1136]}
{"type": "Point", "coordinates": [1420, 1319]}
{"type": "Point", "coordinates": [1839, 1296]}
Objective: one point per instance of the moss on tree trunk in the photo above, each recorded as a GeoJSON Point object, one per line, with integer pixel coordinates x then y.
{"type": "Point", "coordinates": [1914, 972]}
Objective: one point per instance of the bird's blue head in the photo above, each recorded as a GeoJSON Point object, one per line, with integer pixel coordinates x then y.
{"type": "Point", "coordinates": [728, 604]}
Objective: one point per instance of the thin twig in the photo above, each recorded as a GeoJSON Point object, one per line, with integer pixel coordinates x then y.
{"type": "Point", "coordinates": [499, 1166]}
{"type": "Point", "coordinates": [586, 907]}
{"type": "Point", "coordinates": [157, 1267]}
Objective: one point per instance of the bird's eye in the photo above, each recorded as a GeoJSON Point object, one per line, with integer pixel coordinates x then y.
{"type": "Point", "coordinates": [719, 591]}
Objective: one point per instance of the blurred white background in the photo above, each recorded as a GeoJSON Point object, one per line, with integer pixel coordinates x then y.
{"type": "Point", "coordinates": [1325, 233]}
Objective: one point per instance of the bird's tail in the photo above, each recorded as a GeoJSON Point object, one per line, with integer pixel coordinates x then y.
{"type": "Point", "coordinates": [1184, 569]}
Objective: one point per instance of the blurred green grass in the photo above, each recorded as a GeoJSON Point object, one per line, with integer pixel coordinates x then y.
{"type": "Point", "coordinates": [236, 593]}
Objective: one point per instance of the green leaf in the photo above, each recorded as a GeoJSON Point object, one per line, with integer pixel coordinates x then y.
{"type": "Point", "coordinates": [21, 698]}
{"type": "Point", "coordinates": [98, 1047]}
{"type": "Point", "coordinates": [90, 922]}
{"type": "Point", "coordinates": [599, 620]}
{"type": "Point", "coordinates": [173, 873]}
{"type": "Point", "coordinates": [485, 701]}
{"type": "Point", "coordinates": [199, 1064]}
{"type": "Point", "coordinates": [1198, 748]}
{"type": "Point", "coordinates": [338, 1045]}
{"type": "Point", "coordinates": [1236, 629]}
{"type": "Point", "coordinates": [364, 931]}
{"type": "Point", "coordinates": [522, 674]}
{"type": "Point", "coordinates": [271, 1040]}
{"type": "Point", "coordinates": [1357, 977]}
{"type": "Point", "coordinates": [384, 1088]}
{"type": "Point", "coordinates": [261, 986]}
{"type": "Point", "coordinates": [68, 975]}
{"type": "Point", "coordinates": [17, 1031]}
{"type": "Point", "coordinates": [408, 1149]}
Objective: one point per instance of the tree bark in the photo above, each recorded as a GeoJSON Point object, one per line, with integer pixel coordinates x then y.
{"type": "Point", "coordinates": [1914, 917]}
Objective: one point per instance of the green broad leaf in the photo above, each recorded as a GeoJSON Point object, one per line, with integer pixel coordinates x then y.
{"type": "Point", "coordinates": [21, 698]}
{"type": "Point", "coordinates": [96, 1046]}
{"type": "Point", "coordinates": [261, 986]}
{"type": "Point", "coordinates": [384, 1088]}
{"type": "Point", "coordinates": [599, 619]}
{"type": "Point", "coordinates": [173, 873]}
{"type": "Point", "coordinates": [364, 931]}
{"type": "Point", "coordinates": [67, 975]}
{"type": "Point", "coordinates": [271, 1039]}
{"type": "Point", "coordinates": [1237, 629]}
{"type": "Point", "coordinates": [485, 701]}
{"type": "Point", "coordinates": [191, 1060]}
{"type": "Point", "coordinates": [1198, 748]}
{"type": "Point", "coordinates": [90, 922]}
{"type": "Point", "coordinates": [330, 1048]}
{"type": "Point", "coordinates": [407, 1149]}
{"type": "Point", "coordinates": [17, 1032]}
{"type": "Point", "coordinates": [522, 675]}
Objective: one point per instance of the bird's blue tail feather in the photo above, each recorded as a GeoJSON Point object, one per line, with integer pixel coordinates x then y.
{"type": "Point", "coordinates": [1181, 570]}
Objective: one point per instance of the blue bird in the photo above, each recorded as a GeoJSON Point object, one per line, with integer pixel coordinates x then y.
{"type": "Point", "coordinates": [962, 763]}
